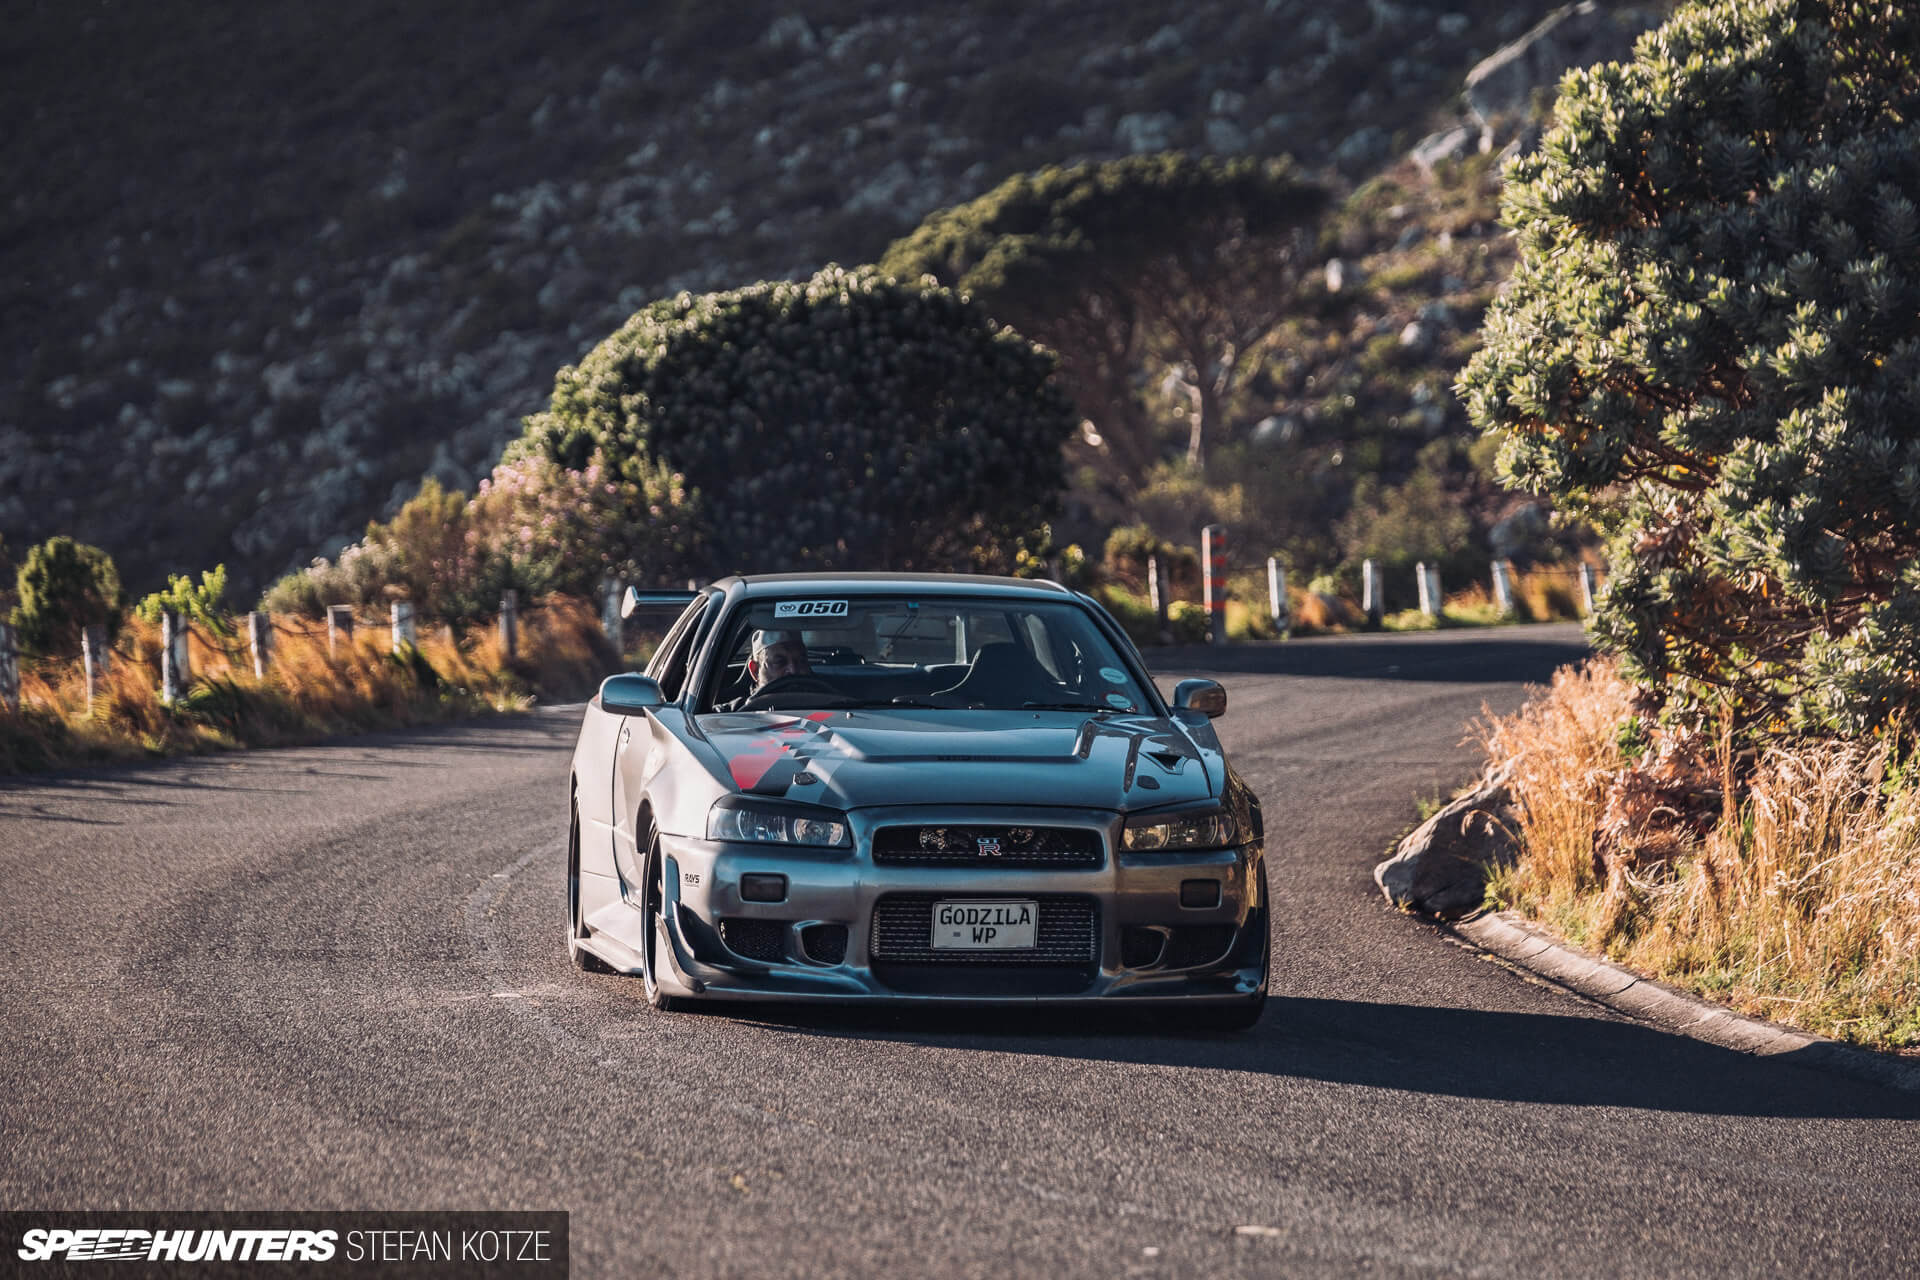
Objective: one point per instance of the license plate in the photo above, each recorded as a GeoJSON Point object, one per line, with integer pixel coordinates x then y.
{"type": "Point", "coordinates": [985, 926]}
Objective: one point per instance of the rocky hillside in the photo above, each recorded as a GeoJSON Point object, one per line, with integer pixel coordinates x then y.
{"type": "Point", "coordinates": [263, 266]}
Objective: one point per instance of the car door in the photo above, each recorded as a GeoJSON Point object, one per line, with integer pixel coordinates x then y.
{"type": "Point", "coordinates": [638, 752]}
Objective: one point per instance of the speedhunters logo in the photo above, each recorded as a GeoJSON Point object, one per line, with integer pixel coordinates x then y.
{"type": "Point", "coordinates": [108, 1244]}
{"type": "Point", "coordinates": [463, 1244]}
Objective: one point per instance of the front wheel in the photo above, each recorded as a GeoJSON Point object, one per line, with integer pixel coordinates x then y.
{"type": "Point", "coordinates": [655, 898]}
{"type": "Point", "coordinates": [582, 958]}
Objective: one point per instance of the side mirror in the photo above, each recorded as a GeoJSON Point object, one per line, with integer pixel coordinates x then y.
{"type": "Point", "coordinates": [1208, 697]}
{"type": "Point", "coordinates": [629, 694]}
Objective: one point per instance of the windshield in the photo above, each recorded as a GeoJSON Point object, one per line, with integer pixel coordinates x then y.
{"type": "Point", "coordinates": [807, 652]}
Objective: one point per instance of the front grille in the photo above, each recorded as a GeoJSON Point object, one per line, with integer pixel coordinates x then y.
{"type": "Point", "coordinates": [988, 846]}
{"type": "Point", "coordinates": [1067, 932]}
{"type": "Point", "coordinates": [762, 940]}
{"type": "Point", "coordinates": [824, 943]}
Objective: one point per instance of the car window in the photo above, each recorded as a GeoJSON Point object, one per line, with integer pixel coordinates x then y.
{"type": "Point", "coordinates": [1040, 644]}
{"type": "Point", "coordinates": [913, 636]}
{"type": "Point", "coordinates": [928, 651]}
{"type": "Point", "coordinates": [669, 665]}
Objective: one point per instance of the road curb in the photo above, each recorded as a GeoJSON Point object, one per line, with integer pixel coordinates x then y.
{"type": "Point", "coordinates": [1519, 942]}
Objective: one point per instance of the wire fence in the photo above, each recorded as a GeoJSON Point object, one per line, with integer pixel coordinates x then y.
{"type": "Point", "coordinates": [248, 642]}
{"type": "Point", "coordinates": [183, 648]}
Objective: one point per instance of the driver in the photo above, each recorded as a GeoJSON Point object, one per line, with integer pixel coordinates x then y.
{"type": "Point", "coordinates": [773, 656]}
{"type": "Point", "coordinates": [776, 654]}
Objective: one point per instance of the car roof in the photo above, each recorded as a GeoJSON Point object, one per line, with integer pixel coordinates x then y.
{"type": "Point", "coordinates": [756, 586]}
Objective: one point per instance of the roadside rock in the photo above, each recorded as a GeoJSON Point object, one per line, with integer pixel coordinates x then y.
{"type": "Point", "coordinates": [1442, 867]}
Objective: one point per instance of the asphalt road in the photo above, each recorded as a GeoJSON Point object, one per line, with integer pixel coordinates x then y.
{"type": "Point", "coordinates": [332, 978]}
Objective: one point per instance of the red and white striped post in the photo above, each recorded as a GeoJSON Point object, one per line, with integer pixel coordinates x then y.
{"type": "Point", "coordinates": [1213, 559]}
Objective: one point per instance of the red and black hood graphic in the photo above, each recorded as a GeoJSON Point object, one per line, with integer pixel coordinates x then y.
{"type": "Point", "coordinates": [854, 759]}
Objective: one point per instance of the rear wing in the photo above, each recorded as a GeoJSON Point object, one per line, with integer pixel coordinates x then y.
{"type": "Point", "coordinates": [636, 600]}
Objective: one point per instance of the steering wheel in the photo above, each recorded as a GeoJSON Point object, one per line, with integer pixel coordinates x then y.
{"type": "Point", "coordinates": [788, 684]}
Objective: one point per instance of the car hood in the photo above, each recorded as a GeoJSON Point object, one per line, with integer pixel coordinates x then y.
{"type": "Point", "coordinates": [856, 759]}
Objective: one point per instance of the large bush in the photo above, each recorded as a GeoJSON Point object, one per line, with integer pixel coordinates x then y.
{"type": "Point", "coordinates": [65, 587]}
{"type": "Point", "coordinates": [1712, 345]}
{"type": "Point", "coordinates": [846, 421]}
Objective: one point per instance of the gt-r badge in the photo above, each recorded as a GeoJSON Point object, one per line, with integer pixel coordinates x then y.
{"type": "Point", "coordinates": [989, 846]}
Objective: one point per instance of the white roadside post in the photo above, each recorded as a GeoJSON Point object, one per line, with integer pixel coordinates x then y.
{"type": "Point", "coordinates": [9, 667]}
{"type": "Point", "coordinates": [1277, 597]}
{"type": "Point", "coordinates": [1370, 602]}
{"type": "Point", "coordinates": [260, 640]}
{"type": "Point", "coordinates": [510, 624]}
{"type": "Point", "coordinates": [611, 592]}
{"type": "Point", "coordinates": [1586, 589]}
{"type": "Point", "coordinates": [339, 628]}
{"type": "Point", "coordinates": [93, 656]}
{"type": "Point", "coordinates": [176, 664]}
{"type": "Point", "coordinates": [1429, 580]}
{"type": "Point", "coordinates": [1503, 588]}
{"type": "Point", "coordinates": [1157, 590]}
{"type": "Point", "coordinates": [403, 633]}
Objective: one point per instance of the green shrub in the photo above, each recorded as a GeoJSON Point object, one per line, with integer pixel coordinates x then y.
{"type": "Point", "coordinates": [1188, 622]}
{"type": "Point", "coordinates": [204, 602]}
{"type": "Point", "coordinates": [1709, 345]}
{"type": "Point", "coordinates": [1127, 549]}
{"type": "Point", "coordinates": [1412, 523]}
{"type": "Point", "coordinates": [1133, 611]}
{"type": "Point", "coordinates": [844, 421]}
{"type": "Point", "coordinates": [65, 587]}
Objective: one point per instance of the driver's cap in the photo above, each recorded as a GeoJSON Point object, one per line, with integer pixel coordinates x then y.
{"type": "Point", "coordinates": [766, 639]}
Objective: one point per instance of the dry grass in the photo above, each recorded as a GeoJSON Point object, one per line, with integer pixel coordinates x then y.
{"type": "Point", "coordinates": [1794, 894]}
{"type": "Point", "coordinates": [306, 694]}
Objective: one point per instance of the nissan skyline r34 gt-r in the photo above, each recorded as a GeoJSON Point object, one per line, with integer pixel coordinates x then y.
{"type": "Point", "coordinates": [923, 788]}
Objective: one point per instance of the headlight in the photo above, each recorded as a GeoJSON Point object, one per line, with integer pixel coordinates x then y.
{"type": "Point", "coordinates": [732, 819]}
{"type": "Point", "coordinates": [1215, 830]}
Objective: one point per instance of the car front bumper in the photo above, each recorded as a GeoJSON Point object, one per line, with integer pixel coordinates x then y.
{"type": "Point", "coordinates": [849, 929]}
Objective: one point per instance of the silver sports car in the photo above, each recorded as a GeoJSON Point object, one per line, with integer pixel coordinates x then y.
{"type": "Point", "coordinates": [899, 787]}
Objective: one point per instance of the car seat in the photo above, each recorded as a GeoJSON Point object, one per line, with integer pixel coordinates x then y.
{"type": "Point", "coordinates": [1004, 674]}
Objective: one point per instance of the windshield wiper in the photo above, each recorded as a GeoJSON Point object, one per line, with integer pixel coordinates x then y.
{"type": "Point", "coordinates": [1071, 706]}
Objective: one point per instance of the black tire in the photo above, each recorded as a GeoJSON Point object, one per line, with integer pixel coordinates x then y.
{"type": "Point", "coordinates": [582, 958]}
{"type": "Point", "coordinates": [655, 898]}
